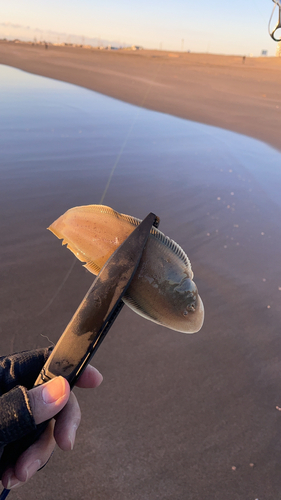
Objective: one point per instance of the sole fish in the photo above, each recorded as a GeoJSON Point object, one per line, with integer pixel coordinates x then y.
{"type": "Point", "coordinates": [162, 289]}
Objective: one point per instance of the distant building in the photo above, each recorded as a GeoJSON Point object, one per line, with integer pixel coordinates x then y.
{"type": "Point", "coordinates": [264, 53]}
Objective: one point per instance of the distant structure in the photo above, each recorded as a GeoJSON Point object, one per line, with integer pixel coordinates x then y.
{"type": "Point", "coordinates": [264, 53]}
{"type": "Point", "coordinates": [48, 44]}
{"type": "Point", "coordinates": [278, 49]}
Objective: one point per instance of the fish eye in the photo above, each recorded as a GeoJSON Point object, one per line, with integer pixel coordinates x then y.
{"type": "Point", "coordinates": [190, 308]}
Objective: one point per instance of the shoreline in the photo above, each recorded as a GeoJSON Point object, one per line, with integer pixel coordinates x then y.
{"type": "Point", "coordinates": [243, 96]}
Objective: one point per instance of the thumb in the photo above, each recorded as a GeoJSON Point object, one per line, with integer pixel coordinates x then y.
{"type": "Point", "coordinates": [48, 399]}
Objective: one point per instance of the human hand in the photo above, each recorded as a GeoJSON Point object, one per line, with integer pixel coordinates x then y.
{"type": "Point", "coordinates": [53, 399]}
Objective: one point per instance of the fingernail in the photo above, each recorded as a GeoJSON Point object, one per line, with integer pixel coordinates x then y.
{"type": "Point", "coordinates": [72, 435]}
{"type": "Point", "coordinates": [13, 482]}
{"type": "Point", "coordinates": [32, 468]}
{"type": "Point", "coordinates": [53, 390]}
{"type": "Point", "coordinates": [100, 377]}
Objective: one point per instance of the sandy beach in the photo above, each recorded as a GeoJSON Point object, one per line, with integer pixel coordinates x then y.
{"type": "Point", "coordinates": [177, 417]}
{"type": "Point", "coordinates": [224, 91]}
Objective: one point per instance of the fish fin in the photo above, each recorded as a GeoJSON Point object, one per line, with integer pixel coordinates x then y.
{"type": "Point", "coordinates": [170, 247]}
{"type": "Point", "coordinates": [173, 246]}
{"type": "Point", "coordinates": [132, 304]}
{"type": "Point", "coordinates": [103, 209]}
{"type": "Point", "coordinates": [92, 267]}
{"type": "Point", "coordinates": [132, 220]}
{"type": "Point", "coordinates": [79, 255]}
{"type": "Point", "coordinates": [168, 242]}
{"type": "Point", "coordinates": [165, 240]}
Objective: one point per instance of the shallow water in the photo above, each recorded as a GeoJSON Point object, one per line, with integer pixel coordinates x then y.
{"type": "Point", "coordinates": [50, 128]}
{"type": "Point", "coordinates": [205, 402]}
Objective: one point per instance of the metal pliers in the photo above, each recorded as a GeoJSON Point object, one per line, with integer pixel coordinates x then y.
{"type": "Point", "coordinates": [90, 324]}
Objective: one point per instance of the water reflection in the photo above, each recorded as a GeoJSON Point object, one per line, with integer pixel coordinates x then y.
{"type": "Point", "coordinates": [73, 129]}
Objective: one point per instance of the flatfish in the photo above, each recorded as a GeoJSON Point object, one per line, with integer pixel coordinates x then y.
{"type": "Point", "coordinates": [162, 289]}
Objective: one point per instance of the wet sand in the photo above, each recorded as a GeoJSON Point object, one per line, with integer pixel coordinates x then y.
{"type": "Point", "coordinates": [177, 417]}
{"type": "Point", "coordinates": [225, 91]}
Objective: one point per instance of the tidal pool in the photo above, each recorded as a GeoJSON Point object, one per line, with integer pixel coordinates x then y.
{"type": "Point", "coordinates": [53, 129]}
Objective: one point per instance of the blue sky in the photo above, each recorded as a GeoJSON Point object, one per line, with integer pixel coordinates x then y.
{"type": "Point", "coordinates": [223, 27]}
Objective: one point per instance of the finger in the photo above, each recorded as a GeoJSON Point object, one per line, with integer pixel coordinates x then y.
{"type": "Point", "coordinates": [31, 460]}
{"type": "Point", "coordinates": [9, 480]}
{"type": "Point", "coordinates": [48, 399]}
{"type": "Point", "coordinates": [36, 455]}
{"type": "Point", "coordinates": [90, 378]}
{"type": "Point", "coordinates": [67, 423]}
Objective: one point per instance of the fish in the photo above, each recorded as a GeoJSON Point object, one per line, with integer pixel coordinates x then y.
{"type": "Point", "coordinates": [162, 289]}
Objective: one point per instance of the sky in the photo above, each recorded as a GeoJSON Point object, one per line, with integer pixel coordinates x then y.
{"type": "Point", "coordinates": [219, 26]}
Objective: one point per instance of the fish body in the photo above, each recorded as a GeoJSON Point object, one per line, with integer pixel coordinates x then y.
{"type": "Point", "coordinates": [162, 289]}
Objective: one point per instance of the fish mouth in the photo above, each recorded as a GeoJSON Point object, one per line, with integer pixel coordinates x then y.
{"type": "Point", "coordinates": [197, 315]}
{"type": "Point", "coordinates": [192, 303]}
{"type": "Point", "coordinates": [194, 315]}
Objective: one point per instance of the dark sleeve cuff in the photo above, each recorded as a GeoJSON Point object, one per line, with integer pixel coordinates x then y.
{"type": "Point", "coordinates": [16, 419]}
